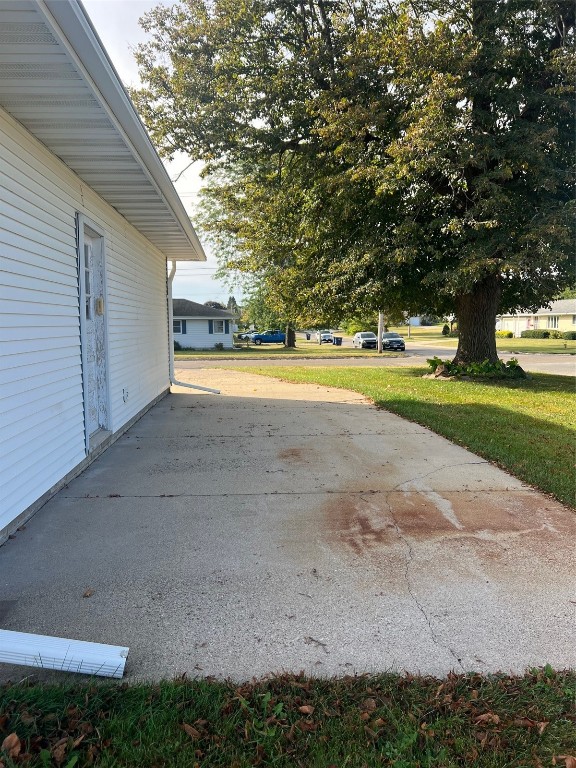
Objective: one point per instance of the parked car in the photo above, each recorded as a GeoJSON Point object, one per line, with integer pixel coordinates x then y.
{"type": "Point", "coordinates": [244, 334]}
{"type": "Point", "coordinates": [391, 340]}
{"type": "Point", "coordinates": [365, 340]}
{"type": "Point", "coordinates": [268, 337]}
{"type": "Point", "coordinates": [325, 337]}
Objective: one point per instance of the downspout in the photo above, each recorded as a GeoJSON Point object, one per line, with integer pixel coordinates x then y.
{"type": "Point", "coordinates": [173, 380]}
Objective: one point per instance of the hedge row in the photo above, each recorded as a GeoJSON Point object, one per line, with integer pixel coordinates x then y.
{"type": "Point", "coordinates": [548, 334]}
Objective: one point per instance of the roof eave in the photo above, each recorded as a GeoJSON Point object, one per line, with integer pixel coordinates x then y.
{"type": "Point", "coordinates": [85, 45]}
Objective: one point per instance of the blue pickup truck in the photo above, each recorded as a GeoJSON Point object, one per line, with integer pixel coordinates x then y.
{"type": "Point", "coordinates": [268, 337]}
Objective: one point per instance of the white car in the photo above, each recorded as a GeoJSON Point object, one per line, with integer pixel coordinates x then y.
{"type": "Point", "coordinates": [365, 340]}
{"type": "Point", "coordinates": [325, 337]}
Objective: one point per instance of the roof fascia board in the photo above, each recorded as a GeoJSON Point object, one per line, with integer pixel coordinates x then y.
{"type": "Point", "coordinates": [75, 31]}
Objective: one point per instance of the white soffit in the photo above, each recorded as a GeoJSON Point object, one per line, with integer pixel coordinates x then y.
{"type": "Point", "coordinates": [57, 80]}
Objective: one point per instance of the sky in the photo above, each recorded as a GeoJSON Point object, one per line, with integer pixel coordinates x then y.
{"type": "Point", "coordinates": [116, 22]}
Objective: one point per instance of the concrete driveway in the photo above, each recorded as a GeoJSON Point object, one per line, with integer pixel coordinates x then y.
{"type": "Point", "coordinates": [293, 527]}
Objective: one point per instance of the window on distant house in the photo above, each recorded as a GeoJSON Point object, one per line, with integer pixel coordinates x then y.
{"type": "Point", "coordinates": [177, 326]}
{"type": "Point", "coordinates": [573, 319]}
{"type": "Point", "coordinates": [552, 321]}
{"type": "Point", "coordinates": [218, 326]}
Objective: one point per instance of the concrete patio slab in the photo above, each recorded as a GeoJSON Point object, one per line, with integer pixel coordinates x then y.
{"type": "Point", "coordinates": [294, 527]}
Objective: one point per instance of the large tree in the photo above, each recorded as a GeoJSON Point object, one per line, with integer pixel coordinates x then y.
{"type": "Point", "coordinates": [366, 155]}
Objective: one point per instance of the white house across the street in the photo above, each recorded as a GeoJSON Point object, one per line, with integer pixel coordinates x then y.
{"type": "Point", "coordinates": [197, 326]}
{"type": "Point", "coordinates": [558, 316]}
{"type": "Point", "coordinates": [89, 221]}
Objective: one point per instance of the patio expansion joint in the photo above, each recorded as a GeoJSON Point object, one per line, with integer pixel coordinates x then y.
{"type": "Point", "coordinates": [407, 564]}
{"type": "Point", "coordinates": [324, 492]}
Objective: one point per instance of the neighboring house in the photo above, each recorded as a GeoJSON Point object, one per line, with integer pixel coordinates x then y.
{"type": "Point", "coordinates": [559, 316]}
{"type": "Point", "coordinates": [89, 220]}
{"type": "Point", "coordinates": [197, 326]}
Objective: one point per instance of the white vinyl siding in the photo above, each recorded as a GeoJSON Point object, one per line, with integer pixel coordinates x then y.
{"type": "Point", "coordinates": [198, 335]}
{"type": "Point", "coordinates": [41, 398]}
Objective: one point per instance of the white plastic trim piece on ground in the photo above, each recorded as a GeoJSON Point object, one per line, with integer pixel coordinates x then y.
{"type": "Point", "coordinates": [62, 654]}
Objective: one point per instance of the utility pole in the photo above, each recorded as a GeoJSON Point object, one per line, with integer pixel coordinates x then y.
{"type": "Point", "coordinates": [380, 330]}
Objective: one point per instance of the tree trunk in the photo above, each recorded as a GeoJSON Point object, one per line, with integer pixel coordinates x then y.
{"type": "Point", "coordinates": [290, 337]}
{"type": "Point", "coordinates": [476, 314]}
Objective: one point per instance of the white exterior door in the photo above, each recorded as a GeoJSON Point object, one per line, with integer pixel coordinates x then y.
{"type": "Point", "coordinates": [93, 333]}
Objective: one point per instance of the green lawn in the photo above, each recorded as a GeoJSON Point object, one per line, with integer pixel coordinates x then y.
{"type": "Point", "coordinates": [528, 427]}
{"type": "Point", "coordinates": [291, 721]}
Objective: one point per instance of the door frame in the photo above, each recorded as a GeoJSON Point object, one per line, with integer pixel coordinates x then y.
{"type": "Point", "coordinates": [85, 226]}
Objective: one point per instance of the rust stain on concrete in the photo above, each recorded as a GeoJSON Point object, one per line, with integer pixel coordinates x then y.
{"type": "Point", "coordinates": [359, 525]}
{"type": "Point", "coordinates": [504, 533]}
{"type": "Point", "coordinates": [295, 455]}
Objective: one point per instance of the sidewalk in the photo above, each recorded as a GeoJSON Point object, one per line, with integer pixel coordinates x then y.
{"type": "Point", "coordinates": [293, 527]}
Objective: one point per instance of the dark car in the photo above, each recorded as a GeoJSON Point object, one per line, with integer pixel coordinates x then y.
{"type": "Point", "coordinates": [392, 340]}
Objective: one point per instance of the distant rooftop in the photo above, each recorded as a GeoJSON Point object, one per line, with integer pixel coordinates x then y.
{"type": "Point", "coordinates": [186, 308]}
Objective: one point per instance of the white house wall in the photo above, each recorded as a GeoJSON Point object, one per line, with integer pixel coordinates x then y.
{"type": "Point", "coordinates": [41, 400]}
{"type": "Point", "coordinates": [197, 335]}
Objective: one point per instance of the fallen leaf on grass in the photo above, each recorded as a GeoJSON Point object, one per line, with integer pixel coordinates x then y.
{"type": "Point", "coordinates": [487, 717]}
{"type": "Point", "coordinates": [369, 705]}
{"type": "Point", "coordinates": [194, 733]}
{"type": "Point", "coordinates": [307, 726]}
{"type": "Point", "coordinates": [526, 722]}
{"type": "Point", "coordinates": [306, 709]}
{"type": "Point", "coordinates": [11, 745]}
{"type": "Point", "coordinates": [58, 751]}
{"type": "Point", "coordinates": [569, 760]}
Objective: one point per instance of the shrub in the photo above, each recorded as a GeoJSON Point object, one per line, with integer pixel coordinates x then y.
{"type": "Point", "coordinates": [177, 346]}
{"type": "Point", "coordinates": [219, 346]}
{"type": "Point", "coordinates": [454, 334]}
{"type": "Point", "coordinates": [556, 335]}
{"type": "Point", "coordinates": [536, 333]}
{"type": "Point", "coordinates": [571, 335]}
{"type": "Point", "coordinates": [446, 330]}
{"type": "Point", "coordinates": [504, 334]}
{"type": "Point", "coordinates": [483, 370]}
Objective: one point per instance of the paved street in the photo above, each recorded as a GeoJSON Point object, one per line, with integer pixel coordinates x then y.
{"type": "Point", "coordinates": [561, 365]}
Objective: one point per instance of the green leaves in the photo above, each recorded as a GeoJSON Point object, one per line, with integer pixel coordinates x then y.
{"type": "Point", "coordinates": [362, 155]}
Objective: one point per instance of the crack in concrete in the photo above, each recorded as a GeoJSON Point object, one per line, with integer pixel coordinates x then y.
{"type": "Point", "coordinates": [417, 603]}
{"type": "Point", "coordinates": [400, 486]}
